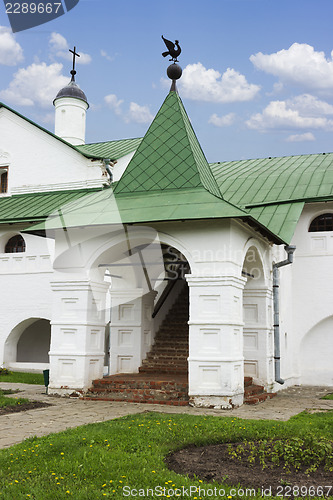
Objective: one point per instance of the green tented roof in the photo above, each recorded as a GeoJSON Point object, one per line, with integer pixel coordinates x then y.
{"type": "Point", "coordinates": [169, 156]}
{"type": "Point", "coordinates": [114, 150]}
{"type": "Point", "coordinates": [275, 180]}
{"type": "Point", "coordinates": [34, 207]}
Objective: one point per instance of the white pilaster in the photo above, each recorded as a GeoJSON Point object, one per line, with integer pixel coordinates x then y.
{"type": "Point", "coordinates": [216, 374]}
{"type": "Point", "coordinates": [77, 335]}
{"type": "Point", "coordinates": [131, 329]}
{"type": "Point", "coordinates": [258, 335]}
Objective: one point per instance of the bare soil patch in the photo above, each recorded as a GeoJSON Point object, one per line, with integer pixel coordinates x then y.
{"type": "Point", "coordinates": [213, 463]}
{"type": "Point", "coordinates": [23, 407]}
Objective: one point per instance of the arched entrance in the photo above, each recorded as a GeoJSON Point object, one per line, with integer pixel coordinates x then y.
{"type": "Point", "coordinates": [27, 346]}
{"type": "Point", "coordinates": [257, 314]}
{"type": "Point", "coordinates": [149, 321]}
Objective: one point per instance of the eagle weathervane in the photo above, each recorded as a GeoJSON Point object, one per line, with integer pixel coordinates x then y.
{"type": "Point", "coordinates": [174, 71]}
{"type": "Point", "coordinates": [172, 50]}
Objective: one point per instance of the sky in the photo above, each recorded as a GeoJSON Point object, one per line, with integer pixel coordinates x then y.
{"type": "Point", "coordinates": [257, 74]}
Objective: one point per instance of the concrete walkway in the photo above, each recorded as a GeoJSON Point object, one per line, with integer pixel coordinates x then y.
{"type": "Point", "coordinates": [66, 413]}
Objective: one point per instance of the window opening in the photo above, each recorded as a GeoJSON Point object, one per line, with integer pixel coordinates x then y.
{"type": "Point", "coordinates": [15, 244]}
{"type": "Point", "coordinates": [322, 223]}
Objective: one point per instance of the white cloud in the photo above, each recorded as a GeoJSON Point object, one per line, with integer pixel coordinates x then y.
{"type": "Point", "coordinates": [135, 112]}
{"type": "Point", "coordinates": [138, 114]}
{"type": "Point", "coordinates": [286, 115]}
{"type": "Point", "coordinates": [222, 121]}
{"type": "Point", "coordinates": [36, 85]}
{"type": "Point", "coordinates": [307, 136]}
{"type": "Point", "coordinates": [201, 84]}
{"type": "Point", "coordinates": [114, 103]}
{"type": "Point", "coordinates": [59, 48]}
{"type": "Point", "coordinates": [300, 65]}
{"type": "Point", "coordinates": [106, 55]}
{"type": "Point", "coordinates": [310, 105]}
{"type": "Point", "coordinates": [11, 52]}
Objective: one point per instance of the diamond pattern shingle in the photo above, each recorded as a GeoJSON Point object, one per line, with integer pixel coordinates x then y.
{"type": "Point", "coordinates": [169, 156]}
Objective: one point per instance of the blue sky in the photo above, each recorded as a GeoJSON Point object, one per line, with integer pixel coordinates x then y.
{"type": "Point", "coordinates": [257, 74]}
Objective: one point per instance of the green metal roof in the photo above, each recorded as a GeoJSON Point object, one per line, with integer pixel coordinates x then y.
{"type": "Point", "coordinates": [280, 220]}
{"type": "Point", "coordinates": [34, 207]}
{"type": "Point", "coordinates": [107, 207]}
{"type": "Point", "coordinates": [169, 156]}
{"type": "Point", "coordinates": [111, 149]}
{"type": "Point", "coordinates": [275, 180]}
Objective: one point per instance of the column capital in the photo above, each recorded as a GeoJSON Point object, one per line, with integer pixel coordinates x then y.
{"type": "Point", "coordinates": [222, 280]}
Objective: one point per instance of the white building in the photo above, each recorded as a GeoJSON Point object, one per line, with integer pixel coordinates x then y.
{"type": "Point", "coordinates": [86, 226]}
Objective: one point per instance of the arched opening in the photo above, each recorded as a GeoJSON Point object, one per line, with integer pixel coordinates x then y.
{"type": "Point", "coordinates": [323, 222]}
{"type": "Point", "coordinates": [257, 317]}
{"type": "Point", "coordinates": [15, 244]}
{"type": "Point", "coordinates": [149, 338]}
{"type": "Point", "coordinates": [316, 354]}
{"type": "Point", "coordinates": [27, 346]}
{"type": "Point", "coordinates": [34, 343]}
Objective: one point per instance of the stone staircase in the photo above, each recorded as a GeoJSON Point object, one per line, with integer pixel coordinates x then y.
{"type": "Point", "coordinates": [254, 394]}
{"type": "Point", "coordinates": [163, 375]}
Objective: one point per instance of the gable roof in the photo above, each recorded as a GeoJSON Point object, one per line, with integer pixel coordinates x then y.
{"type": "Point", "coordinates": [169, 156]}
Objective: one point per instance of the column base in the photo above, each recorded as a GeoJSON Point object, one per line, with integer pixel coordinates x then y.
{"type": "Point", "coordinates": [65, 392]}
{"type": "Point", "coordinates": [217, 402]}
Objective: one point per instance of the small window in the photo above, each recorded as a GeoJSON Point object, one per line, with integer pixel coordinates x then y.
{"type": "Point", "coordinates": [4, 181]}
{"type": "Point", "coordinates": [322, 223]}
{"type": "Point", "coordinates": [15, 244]}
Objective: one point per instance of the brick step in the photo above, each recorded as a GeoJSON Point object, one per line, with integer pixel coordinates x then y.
{"type": "Point", "coordinates": [124, 394]}
{"type": "Point", "coordinates": [154, 388]}
{"type": "Point", "coordinates": [162, 362]}
{"type": "Point", "coordinates": [259, 398]}
{"type": "Point", "coordinates": [169, 343]}
{"type": "Point", "coordinates": [253, 389]}
{"type": "Point", "coordinates": [248, 381]}
{"type": "Point", "coordinates": [152, 357]}
{"type": "Point", "coordinates": [172, 370]}
{"type": "Point", "coordinates": [105, 385]}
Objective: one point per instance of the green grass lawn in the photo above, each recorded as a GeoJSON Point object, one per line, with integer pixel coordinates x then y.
{"type": "Point", "coordinates": [23, 378]}
{"type": "Point", "coordinates": [109, 459]}
{"type": "Point", "coordinates": [5, 401]}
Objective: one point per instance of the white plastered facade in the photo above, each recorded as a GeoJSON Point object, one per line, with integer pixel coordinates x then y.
{"type": "Point", "coordinates": [230, 289]}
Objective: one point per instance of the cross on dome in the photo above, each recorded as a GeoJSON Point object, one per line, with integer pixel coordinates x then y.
{"type": "Point", "coordinates": [73, 72]}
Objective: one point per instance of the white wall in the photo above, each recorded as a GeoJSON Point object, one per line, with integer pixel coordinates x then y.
{"type": "Point", "coordinates": [41, 162]}
{"type": "Point", "coordinates": [307, 304]}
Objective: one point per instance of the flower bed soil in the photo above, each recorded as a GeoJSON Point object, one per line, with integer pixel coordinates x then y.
{"type": "Point", "coordinates": [213, 463]}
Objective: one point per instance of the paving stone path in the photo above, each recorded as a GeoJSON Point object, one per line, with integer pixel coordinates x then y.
{"type": "Point", "coordinates": [66, 413]}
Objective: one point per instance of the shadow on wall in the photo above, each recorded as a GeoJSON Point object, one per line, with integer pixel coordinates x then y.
{"type": "Point", "coordinates": [317, 354]}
